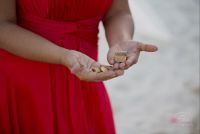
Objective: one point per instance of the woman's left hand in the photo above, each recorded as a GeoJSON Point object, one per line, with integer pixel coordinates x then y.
{"type": "Point", "coordinates": [133, 49]}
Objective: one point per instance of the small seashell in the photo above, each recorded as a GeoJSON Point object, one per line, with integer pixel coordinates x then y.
{"type": "Point", "coordinates": [103, 69]}
{"type": "Point", "coordinates": [96, 69]}
{"type": "Point", "coordinates": [120, 56]}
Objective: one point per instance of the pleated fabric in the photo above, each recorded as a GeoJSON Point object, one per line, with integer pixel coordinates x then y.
{"type": "Point", "coordinates": [41, 98]}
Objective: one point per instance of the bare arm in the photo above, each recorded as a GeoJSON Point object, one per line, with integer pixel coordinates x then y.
{"type": "Point", "coordinates": [118, 22]}
{"type": "Point", "coordinates": [119, 29]}
{"type": "Point", "coordinates": [26, 44]}
{"type": "Point", "coordinates": [22, 42]}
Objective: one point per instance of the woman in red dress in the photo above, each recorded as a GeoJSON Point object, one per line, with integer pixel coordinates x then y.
{"type": "Point", "coordinates": [47, 48]}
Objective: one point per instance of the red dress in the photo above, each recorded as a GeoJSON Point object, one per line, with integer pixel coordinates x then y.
{"type": "Point", "coordinates": [41, 98]}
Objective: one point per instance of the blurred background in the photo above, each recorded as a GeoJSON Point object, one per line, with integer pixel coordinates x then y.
{"type": "Point", "coordinates": [159, 95]}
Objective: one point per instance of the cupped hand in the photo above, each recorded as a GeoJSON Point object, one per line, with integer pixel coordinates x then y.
{"type": "Point", "coordinates": [81, 64]}
{"type": "Point", "coordinates": [133, 49]}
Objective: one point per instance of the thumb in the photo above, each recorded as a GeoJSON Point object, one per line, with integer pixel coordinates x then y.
{"type": "Point", "coordinates": [110, 57]}
{"type": "Point", "coordinates": [75, 68]}
{"type": "Point", "coordinates": [147, 47]}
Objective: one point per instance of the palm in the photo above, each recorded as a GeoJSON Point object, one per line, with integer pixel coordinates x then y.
{"type": "Point", "coordinates": [133, 50]}
{"type": "Point", "coordinates": [80, 65]}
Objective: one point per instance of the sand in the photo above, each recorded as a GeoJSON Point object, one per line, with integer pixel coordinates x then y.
{"type": "Point", "coordinates": [159, 95]}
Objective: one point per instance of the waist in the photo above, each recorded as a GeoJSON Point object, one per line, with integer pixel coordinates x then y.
{"type": "Point", "coordinates": [84, 29]}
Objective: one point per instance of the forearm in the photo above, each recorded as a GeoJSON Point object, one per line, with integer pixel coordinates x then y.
{"type": "Point", "coordinates": [28, 45]}
{"type": "Point", "coordinates": [119, 27]}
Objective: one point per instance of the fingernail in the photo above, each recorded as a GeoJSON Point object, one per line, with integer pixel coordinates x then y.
{"type": "Point", "coordinates": [156, 49]}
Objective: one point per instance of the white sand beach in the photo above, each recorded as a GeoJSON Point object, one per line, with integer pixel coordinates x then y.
{"type": "Point", "coordinates": [159, 95]}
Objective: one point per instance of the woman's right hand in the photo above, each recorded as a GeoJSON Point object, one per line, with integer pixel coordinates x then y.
{"type": "Point", "coordinates": [81, 64]}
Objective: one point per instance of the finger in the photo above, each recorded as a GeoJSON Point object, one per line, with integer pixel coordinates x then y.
{"type": "Point", "coordinates": [104, 76]}
{"type": "Point", "coordinates": [111, 53]}
{"type": "Point", "coordinates": [122, 65]}
{"type": "Point", "coordinates": [110, 57]}
{"type": "Point", "coordinates": [116, 66]}
{"type": "Point", "coordinates": [111, 60]}
{"type": "Point", "coordinates": [132, 59]}
{"type": "Point", "coordinates": [119, 72]}
{"type": "Point", "coordinates": [146, 47]}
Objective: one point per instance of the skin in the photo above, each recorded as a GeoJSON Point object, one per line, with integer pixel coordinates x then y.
{"type": "Point", "coordinates": [119, 28]}
{"type": "Point", "coordinates": [42, 50]}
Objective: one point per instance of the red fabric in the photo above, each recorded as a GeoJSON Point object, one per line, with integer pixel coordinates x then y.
{"type": "Point", "coordinates": [41, 98]}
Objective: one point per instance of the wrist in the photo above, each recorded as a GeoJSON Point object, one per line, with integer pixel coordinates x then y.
{"type": "Point", "coordinates": [64, 56]}
{"type": "Point", "coordinates": [119, 41]}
